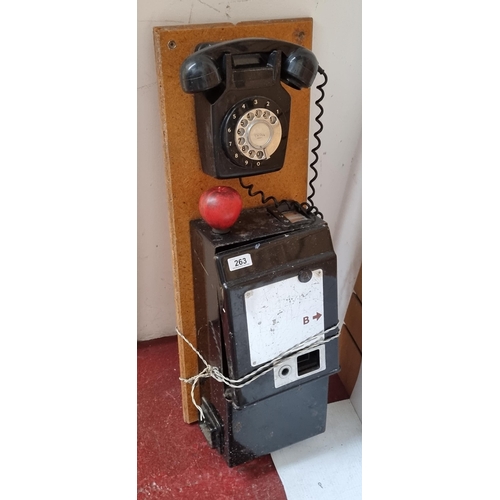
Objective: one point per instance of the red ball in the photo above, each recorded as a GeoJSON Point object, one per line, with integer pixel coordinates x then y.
{"type": "Point", "coordinates": [220, 207]}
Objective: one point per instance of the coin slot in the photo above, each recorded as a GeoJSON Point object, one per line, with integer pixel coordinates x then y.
{"type": "Point", "coordinates": [308, 362]}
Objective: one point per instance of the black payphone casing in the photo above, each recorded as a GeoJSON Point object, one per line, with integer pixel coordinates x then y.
{"type": "Point", "coordinates": [267, 285]}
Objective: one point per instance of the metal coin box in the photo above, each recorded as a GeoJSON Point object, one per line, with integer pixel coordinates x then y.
{"type": "Point", "coordinates": [264, 287]}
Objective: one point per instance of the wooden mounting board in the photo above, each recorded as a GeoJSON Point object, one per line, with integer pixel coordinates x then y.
{"type": "Point", "coordinates": [184, 178]}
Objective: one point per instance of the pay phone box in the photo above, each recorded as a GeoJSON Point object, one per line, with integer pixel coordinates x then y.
{"type": "Point", "coordinates": [259, 291]}
{"type": "Point", "coordinates": [269, 283]}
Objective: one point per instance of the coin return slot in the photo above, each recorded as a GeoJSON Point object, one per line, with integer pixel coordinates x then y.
{"type": "Point", "coordinates": [308, 362]}
{"type": "Point", "coordinates": [300, 367]}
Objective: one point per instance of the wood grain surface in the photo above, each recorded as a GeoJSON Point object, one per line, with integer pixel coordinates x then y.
{"type": "Point", "coordinates": [185, 181]}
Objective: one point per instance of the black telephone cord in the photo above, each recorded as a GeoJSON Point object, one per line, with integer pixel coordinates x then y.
{"type": "Point", "coordinates": [263, 198]}
{"type": "Point", "coordinates": [311, 207]}
{"type": "Point", "coordinates": [308, 206]}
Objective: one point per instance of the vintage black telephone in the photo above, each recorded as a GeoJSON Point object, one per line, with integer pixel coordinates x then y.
{"type": "Point", "coordinates": [265, 290]}
{"type": "Point", "coordinates": [242, 110]}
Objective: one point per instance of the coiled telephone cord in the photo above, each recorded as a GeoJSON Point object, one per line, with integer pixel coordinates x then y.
{"type": "Point", "coordinates": [263, 198]}
{"type": "Point", "coordinates": [307, 206]}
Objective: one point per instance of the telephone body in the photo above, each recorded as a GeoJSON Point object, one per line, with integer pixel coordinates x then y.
{"type": "Point", "coordinates": [270, 283]}
{"type": "Point", "coordinates": [242, 110]}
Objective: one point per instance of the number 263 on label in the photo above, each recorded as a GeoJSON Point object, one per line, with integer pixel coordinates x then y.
{"type": "Point", "coordinates": [239, 262]}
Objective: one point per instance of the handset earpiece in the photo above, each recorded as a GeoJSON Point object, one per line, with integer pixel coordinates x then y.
{"type": "Point", "coordinates": [299, 69]}
{"type": "Point", "coordinates": [199, 73]}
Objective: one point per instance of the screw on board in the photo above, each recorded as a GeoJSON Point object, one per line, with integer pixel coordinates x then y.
{"type": "Point", "coordinates": [171, 44]}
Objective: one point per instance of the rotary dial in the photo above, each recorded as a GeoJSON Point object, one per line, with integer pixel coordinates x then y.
{"type": "Point", "coordinates": [253, 132]}
{"type": "Point", "coordinates": [258, 134]}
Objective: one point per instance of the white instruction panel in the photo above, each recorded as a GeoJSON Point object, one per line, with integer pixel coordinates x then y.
{"type": "Point", "coordinates": [283, 314]}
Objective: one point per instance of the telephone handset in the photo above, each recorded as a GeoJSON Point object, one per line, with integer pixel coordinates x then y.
{"type": "Point", "coordinates": [242, 110]}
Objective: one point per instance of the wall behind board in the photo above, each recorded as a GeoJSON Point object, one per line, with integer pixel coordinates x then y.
{"type": "Point", "coordinates": [337, 45]}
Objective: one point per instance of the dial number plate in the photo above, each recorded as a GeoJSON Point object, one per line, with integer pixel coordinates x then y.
{"type": "Point", "coordinates": [258, 134]}
{"type": "Point", "coordinates": [253, 131]}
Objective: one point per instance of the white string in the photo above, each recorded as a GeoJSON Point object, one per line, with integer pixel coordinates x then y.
{"type": "Point", "coordinates": [212, 371]}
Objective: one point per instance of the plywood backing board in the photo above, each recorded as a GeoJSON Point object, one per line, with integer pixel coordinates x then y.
{"type": "Point", "coordinates": [184, 178]}
{"type": "Point", "coordinates": [350, 360]}
{"type": "Point", "coordinates": [358, 285]}
{"type": "Point", "coordinates": [353, 320]}
{"type": "Point", "coordinates": [350, 343]}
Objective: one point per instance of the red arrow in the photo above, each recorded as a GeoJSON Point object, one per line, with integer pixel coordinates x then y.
{"type": "Point", "coordinates": [317, 316]}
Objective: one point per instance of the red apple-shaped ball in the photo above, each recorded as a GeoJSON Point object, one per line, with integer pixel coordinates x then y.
{"type": "Point", "coordinates": [220, 207]}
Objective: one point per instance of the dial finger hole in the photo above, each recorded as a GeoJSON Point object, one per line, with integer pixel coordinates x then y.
{"type": "Point", "coordinates": [241, 140]}
{"type": "Point", "coordinates": [250, 116]}
{"type": "Point", "coordinates": [251, 153]}
{"type": "Point", "coordinates": [260, 154]}
{"type": "Point", "coordinates": [266, 114]}
{"type": "Point", "coordinates": [273, 119]}
{"type": "Point", "coordinates": [243, 123]}
{"type": "Point", "coordinates": [258, 113]}
{"type": "Point", "coordinates": [240, 131]}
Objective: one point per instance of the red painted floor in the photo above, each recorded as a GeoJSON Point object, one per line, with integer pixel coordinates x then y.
{"type": "Point", "coordinates": [174, 460]}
